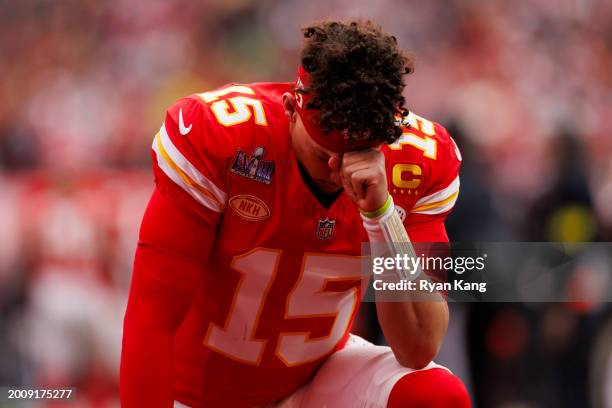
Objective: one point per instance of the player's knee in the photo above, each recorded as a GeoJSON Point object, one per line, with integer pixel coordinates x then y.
{"type": "Point", "coordinates": [435, 388]}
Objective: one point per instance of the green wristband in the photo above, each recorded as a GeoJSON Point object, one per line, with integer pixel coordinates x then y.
{"type": "Point", "coordinates": [381, 210]}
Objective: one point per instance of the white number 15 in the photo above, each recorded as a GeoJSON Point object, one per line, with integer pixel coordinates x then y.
{"type": "Point", "coordinates": [308, 298]}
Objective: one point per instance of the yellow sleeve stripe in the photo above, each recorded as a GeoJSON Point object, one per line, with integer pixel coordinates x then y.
{"type": "Point", "coordinates": [451, 199]}
{"type": "Point", "coordinates": [182, 174]}
{"type": "Point", "coordinates": [440, 195]}
{"type": "Point", "coordinates": [440, 201]}
{"type": "Point", "coordinates": [185, 175]}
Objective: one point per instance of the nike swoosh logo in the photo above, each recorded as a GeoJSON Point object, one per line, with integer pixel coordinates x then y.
{"type": "Point", "coordinates": [182, 128]}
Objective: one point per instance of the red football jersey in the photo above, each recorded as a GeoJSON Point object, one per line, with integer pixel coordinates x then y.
{"type": "Point", "coordinates": [283, 282]}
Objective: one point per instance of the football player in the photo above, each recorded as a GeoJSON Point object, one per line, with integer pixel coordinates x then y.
{"type": "Point", "coordinates": [247, 273]}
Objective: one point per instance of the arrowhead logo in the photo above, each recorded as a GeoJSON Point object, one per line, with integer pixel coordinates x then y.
{"type": "Point", "coordinates": [182, 128]}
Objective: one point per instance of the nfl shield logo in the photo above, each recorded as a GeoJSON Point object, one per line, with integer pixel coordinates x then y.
{"type": "Point", "coordinates": [325, 230]}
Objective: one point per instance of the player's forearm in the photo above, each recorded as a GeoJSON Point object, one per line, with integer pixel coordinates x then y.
{"type": "Point", "coordinates": [146, 367]}
{"type": "Point", "coordinates": [155, 309]}
{"type": "Point", "coordinates": [414, 330]}
{"type": "Point", "coordinates": [146, 356]}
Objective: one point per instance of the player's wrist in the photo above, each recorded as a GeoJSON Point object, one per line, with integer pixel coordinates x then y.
{"type": "Point", "coordinates": [386, 208]}
{"type": "Point", "coordinates": [387, 234]}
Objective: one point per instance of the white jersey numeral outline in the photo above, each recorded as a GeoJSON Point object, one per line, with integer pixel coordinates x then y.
{"type": "Point", "coordinates": [425, 143]}
{"type": "Point", "coordinates": [239, 111]}
{"type": "Point", "coordinates": [237, 340]}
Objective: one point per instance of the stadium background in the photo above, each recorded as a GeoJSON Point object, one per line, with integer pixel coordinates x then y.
{"type": "Point", "coordinates": [524, 87]}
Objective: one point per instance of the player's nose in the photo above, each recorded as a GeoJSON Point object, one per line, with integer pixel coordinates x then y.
{"type": "Point", "coordinates": [334, 162]}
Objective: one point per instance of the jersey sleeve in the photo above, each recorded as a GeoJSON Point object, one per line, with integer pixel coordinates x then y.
{"type": "Point", "coordinates": [190, 155]}
{"type": "Point", "coordinates": [172, 252]}
{"type": "Point", "coordinates": [424, 179]}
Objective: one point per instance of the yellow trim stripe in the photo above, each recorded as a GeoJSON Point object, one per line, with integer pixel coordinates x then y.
{"type": "Point", "coordinates": [182, 174]}
{"type": "Point", "coordinates": [437, 203]}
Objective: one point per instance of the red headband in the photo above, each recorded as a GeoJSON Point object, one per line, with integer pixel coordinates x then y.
{"type": "Point", "coordinates": [337, 141]}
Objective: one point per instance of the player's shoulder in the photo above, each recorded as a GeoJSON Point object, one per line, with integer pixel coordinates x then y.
{"type": "Point", "coordinates": [423, 139]}
{"type": "Point", "coordinates": [231, 111]}
{"type": "Point", "coordinates": [206, 137]}
{"type": "Point", "coordinates": [227, 103]}
{"type": "Point", "coordinates": [423, 165]}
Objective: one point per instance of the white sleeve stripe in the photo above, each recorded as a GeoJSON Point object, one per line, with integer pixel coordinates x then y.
{"type": "Point", "coordinates": [200, 194]}
{"type": "Point", "coordinates": [441, 195]}
{"type": "Point", "coordinates": [202, 199]}
{"type": "Point", "coordinates": [189, 169]}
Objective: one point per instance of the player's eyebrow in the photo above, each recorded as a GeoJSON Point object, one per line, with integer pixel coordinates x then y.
{"type": "Point", "coordinates": [322, 154]}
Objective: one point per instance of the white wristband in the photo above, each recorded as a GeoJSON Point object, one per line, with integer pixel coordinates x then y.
{"type": "Point", "coordinates": [388, 228]}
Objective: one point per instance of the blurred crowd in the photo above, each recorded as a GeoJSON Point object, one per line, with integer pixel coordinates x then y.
{"type": "Point", "coordinates": [525, 88]}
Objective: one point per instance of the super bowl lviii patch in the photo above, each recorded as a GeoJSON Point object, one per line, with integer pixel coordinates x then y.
{"type": "Point", "coordinates": [253, 167]}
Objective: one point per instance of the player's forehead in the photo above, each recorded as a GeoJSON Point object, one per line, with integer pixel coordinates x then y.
{"type": "Point", "coordinates": [320, 150]}
{"type": "Point", "coordinates": [323, 151]}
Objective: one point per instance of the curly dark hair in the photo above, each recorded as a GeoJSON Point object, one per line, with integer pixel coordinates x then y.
{"type": "Point", "coordinates": [357, 78]}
